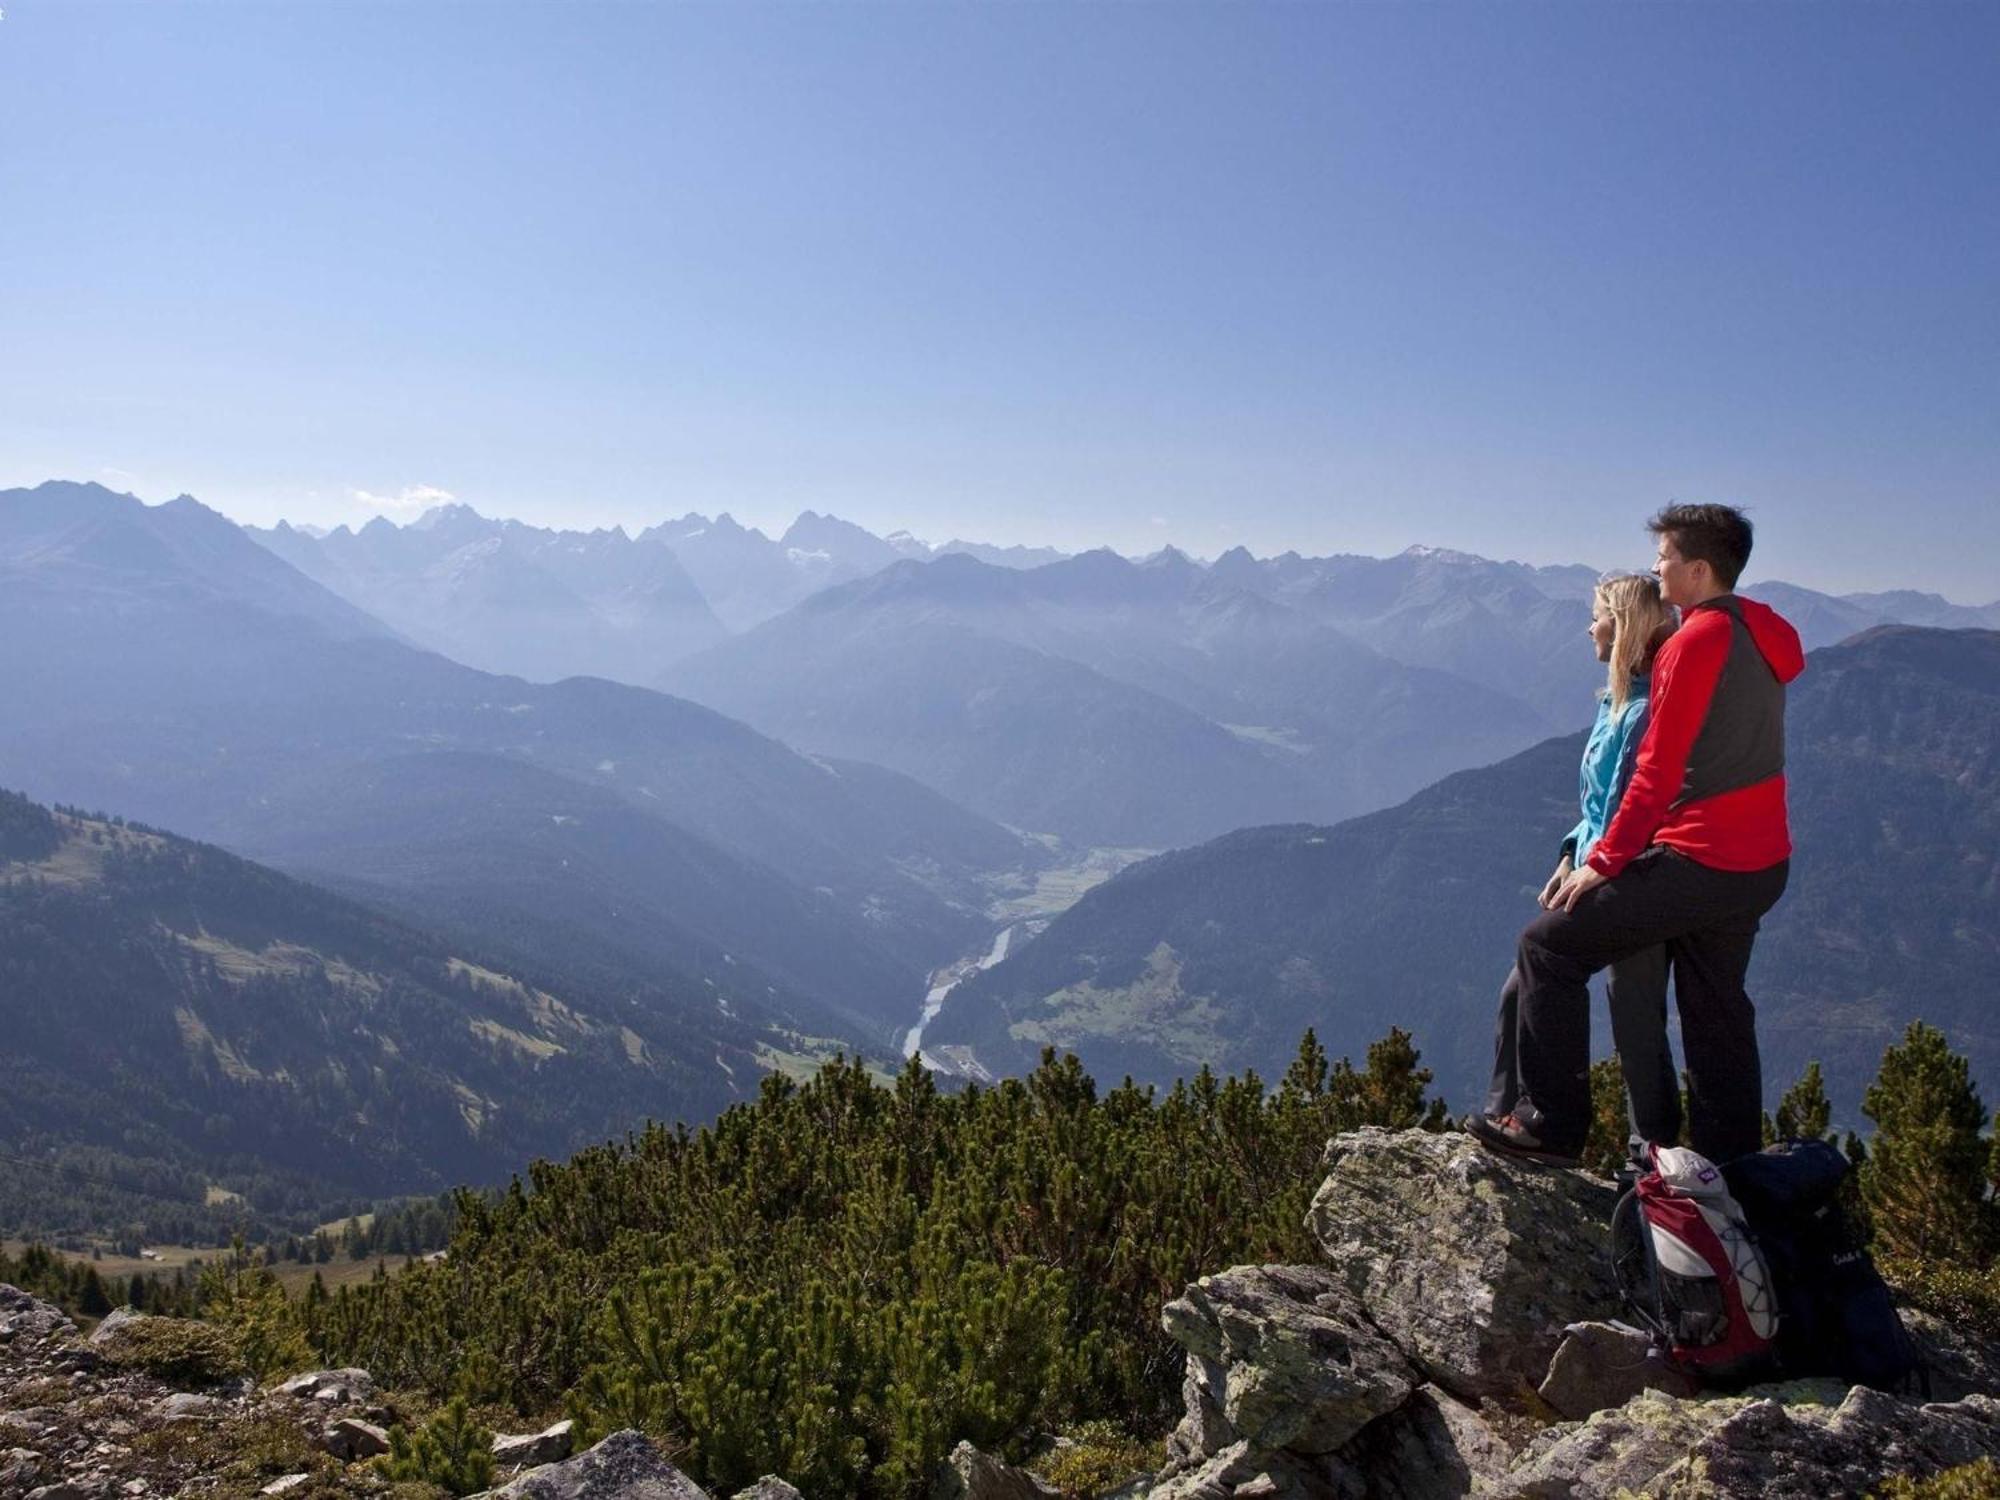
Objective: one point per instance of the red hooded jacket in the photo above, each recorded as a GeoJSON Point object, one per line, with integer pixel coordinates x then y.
{"type": "Point", "coordinates": [1710, 777]}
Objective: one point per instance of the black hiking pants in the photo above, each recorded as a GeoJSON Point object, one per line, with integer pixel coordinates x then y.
{"type": "Point", "coordinates": [1637, 991]}
{"type": "Point", "coordinates": [1708, 921]}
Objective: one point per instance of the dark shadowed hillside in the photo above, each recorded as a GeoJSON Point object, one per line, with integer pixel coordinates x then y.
{"type": "Point", "coordinates": [165, 1002]}
{"type": "Point", "coordinates": [1224, 952]}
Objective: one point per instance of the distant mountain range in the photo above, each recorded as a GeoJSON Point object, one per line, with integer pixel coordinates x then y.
{"type": "Point", "coordinates": [748, 578]}
{"type": "Point", "coordinates": [506, 597]}
{"type": "Point", "coordinates": [1108, 701]}
{"type": "Point", "coordinates": [544, 604]}
{"type": "Point", "coordinates": [161, 663]}
{"type": "Point", "coordinates": [1112, 702]}
{"type": "Point", "coordinates": [1226, 952]}
{"type": "Point", "coordinates": [167, 1002]}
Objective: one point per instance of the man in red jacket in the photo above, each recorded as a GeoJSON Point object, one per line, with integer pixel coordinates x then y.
{"type": "Point", "coordinates": [1699, 850]}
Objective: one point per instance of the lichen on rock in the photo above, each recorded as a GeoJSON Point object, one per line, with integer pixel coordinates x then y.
{"type": "Point", "coordinates": [1472, 1263]}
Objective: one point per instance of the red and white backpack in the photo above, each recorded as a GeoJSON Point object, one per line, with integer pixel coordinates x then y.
{"type": "Point", "coordinates": [1690, 1270]}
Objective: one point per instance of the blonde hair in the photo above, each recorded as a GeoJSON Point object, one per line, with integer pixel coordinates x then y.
{"type": "Point", "coordinates": [1640, 620]}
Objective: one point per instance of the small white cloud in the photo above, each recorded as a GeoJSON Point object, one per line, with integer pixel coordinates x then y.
{"type": "Point", "coordinates": [121, 476]}
{"type": "Point", "coordinates": [1158, 520]}
{"type": "Point", "coordinates": [412, 500]}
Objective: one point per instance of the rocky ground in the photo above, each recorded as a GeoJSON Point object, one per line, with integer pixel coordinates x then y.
{"type": "Point", "coordinates": [134, 1410]}
{"type": "Point", "coordinates": [1455, 1339]}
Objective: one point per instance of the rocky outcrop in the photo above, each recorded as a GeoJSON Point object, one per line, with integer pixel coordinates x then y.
{"type": "Point", "coordinates": [75, 1414]}
{"type": "Point", "coordinates": [550, 1445]}
{"type": "Point", "coordinates": [1606, 1364]}
{"type": "Point", "coordinates": [1464, 1303]}
{"type": "Point", "coordinates": [972, 1475]}
{"type": "Point", "coordinates": [770, 1487]}
{"type": "Point", "coordinates": [1472, 1263]}
{"type": "Point", "coordinates": [30, 1319]}
{"type": "Point", "coordinates": [1283, 1357]}
{"type": "Point", "coordinates": [1808, 1440]}
{"type": "Point", "coordinates": [331, 1387]}
{"type": "Point", "coordinates": [625, 1466]}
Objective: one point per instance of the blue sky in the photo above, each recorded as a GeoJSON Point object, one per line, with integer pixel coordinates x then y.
{"type": "Point", "coordinates": [1336, 277]}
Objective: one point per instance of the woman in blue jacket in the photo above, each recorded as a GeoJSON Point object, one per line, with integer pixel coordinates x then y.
{"type": "Point", "coordinates": [1628, 623]}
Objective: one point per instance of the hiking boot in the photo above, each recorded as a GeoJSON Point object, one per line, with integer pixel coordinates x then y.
{"type": "Point", "coordinates": [1511, 1135]}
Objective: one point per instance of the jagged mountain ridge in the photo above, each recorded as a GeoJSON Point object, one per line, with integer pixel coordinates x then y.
{"type": "Point", "coordinates": [748, 578]}
{"type": "Point", "coordinates": [1226, 952]}
{"type": "Point", "coordinates": [99, 543]}
{"type": "Point", "coordinates": [506, 597]}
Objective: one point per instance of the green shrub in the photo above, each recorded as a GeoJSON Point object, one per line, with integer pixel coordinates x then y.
{"type": "Point", "coordinates": [841, 1280]}
{"type": "Point", "coordinates": [180, 1351]}
{"type": "Point", "coordinates": [1097, 1459]}
{"type": "Point", "coordinates": [249, 1304]}
{"type": "Point", "coordinates": [243, 1454]}
{"type": "Point", "coordinates": [1966, 1298]}
{"type": "Point", "coordinates": [1974, 1481]}
{"type": "Point", "coordinates": [451, 1451]}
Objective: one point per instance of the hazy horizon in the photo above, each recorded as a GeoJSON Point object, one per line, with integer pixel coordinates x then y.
{"type": "Point", "coordinates": [775, 531]}
{"type": "Point", "coordinates": [1326, 278]}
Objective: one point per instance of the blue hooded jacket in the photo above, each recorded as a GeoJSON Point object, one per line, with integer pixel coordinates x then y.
{"type": "Point", "coordinates": [1608, 757]}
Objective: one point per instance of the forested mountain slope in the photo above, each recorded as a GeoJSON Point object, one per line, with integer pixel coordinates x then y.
{"type": "Point", "coordinates": [167, 1003]}
{"type": "Point", "coordinates": [1223, 953]}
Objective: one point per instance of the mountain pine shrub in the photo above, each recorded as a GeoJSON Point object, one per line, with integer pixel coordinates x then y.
{"type": "Point", "coordinates": [451, 1451]}
{"type": "Point", "coordinates": [841, 1280]}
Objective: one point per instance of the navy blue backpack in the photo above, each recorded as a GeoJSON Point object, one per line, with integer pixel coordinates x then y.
{"type": "Point", "coordinates": [1836, 1316]}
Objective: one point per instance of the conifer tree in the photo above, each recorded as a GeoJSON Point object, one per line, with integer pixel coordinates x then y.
{"type": "Point", "coordinates": [1608, 1144]}
{"type": "Point", "coordinates": [247, 1299]}
{"type": "Point", "coordinates": [1805, 1113]}
{"type": "Point", "coordinates": [451, 1451]}
{"type": "Point", "coordinates": [1925, 1178]}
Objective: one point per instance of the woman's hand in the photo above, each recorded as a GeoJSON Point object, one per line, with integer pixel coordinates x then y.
{"type": "Point", "coordinates": [1548, 896]}
{"type": "Point", "coordinates": [1576, 887]}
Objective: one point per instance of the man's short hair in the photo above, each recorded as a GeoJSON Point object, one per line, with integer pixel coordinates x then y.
{"type": "Point", "coordinates": [1718, 535]}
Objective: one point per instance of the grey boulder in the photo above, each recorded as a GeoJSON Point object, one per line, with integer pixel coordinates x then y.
{"type": "Point", "coordinates": [25, 1316]}
{"type": "Point", "coordinates": [116, 1327]}
{"type": "Point", "coordinates": [187, 1406]}
{"type": "Point", "coordinates": [550, 1445]}
{"type": "Point", "coordinates": [1805, 1440]}
{"type": "Point", "coordinates": [335, 1387]}
{"type": "Point", "coordinates": [770, 1487]}
{"type": "Point", "coordinates": [351, 1439]}
{"type": "Point", "coordinates": [1606, 1364]}
{"type": "Point", "coordinates": [1957, 1363]}
{"type": "Point", "coordinates": [972, 1475]}
{"type": "Point", "coordinates": [1472, 1264]}
{"type": "Point", "coordinates": [625, 1466]}
{"type": "Point", "coordinates": [1284, 1358]}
